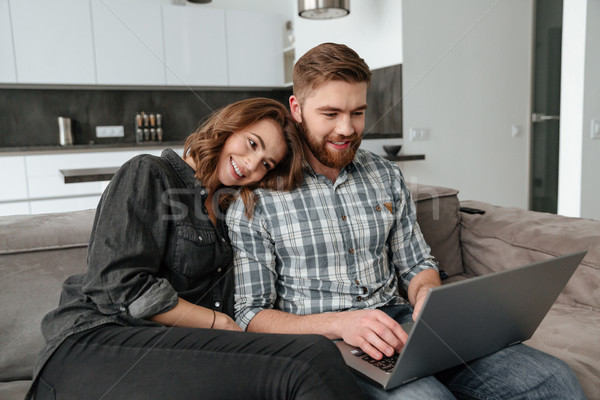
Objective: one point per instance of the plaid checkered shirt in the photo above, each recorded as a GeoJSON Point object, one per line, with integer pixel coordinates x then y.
{"type": "Point", "coordinates": [328, 246]}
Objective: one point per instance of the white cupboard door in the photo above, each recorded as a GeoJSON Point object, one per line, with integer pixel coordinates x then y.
{"type": "Point", "coordinates": [195, 46]}
{"type": "Point", "coordinates": [53, 41]}
{"type": "Point", "coordinates": [8, 73]}
{"type": "Point", "coordinates": [13, 178]}
{"type": "Point", "coordinates": [254, 48]}
{"type": "Point", "coordinates": [16, 208]}
{"type": "Point", "coordinates": [128, 42]}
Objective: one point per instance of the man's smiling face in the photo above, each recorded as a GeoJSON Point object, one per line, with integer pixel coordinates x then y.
{"type": "Point", "coordinates": [332, 121]}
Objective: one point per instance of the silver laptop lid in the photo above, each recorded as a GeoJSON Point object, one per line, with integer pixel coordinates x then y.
{"type": "Point", "coordinates": [475, 317]}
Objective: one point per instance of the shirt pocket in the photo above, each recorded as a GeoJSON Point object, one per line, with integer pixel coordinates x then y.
{"type": "Point", "coordinates": [376, 218]}
{"type": "Point", "coordinates": [194, 250]}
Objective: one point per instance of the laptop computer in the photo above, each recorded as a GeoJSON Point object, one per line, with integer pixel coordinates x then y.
{"type": "Point", "coordinates": [468, 319]}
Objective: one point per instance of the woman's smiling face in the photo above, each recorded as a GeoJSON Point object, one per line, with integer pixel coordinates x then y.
{"type": "Point", "coordinates": [250, 153]}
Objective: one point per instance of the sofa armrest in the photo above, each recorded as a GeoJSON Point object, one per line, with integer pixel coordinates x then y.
{"type": "Point", "coordinates": [438, 218]}
{"type": "Point", "coordinates": [504, 238]}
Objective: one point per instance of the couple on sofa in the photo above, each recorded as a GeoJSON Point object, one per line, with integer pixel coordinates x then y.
{"type": "Point", "coordinates": [316, 239]}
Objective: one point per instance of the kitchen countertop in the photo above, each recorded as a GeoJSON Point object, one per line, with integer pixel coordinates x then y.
{"type": "Point", "coordinates": [106, 173]}
{"type": "Point", "coordinates": [84, 148]}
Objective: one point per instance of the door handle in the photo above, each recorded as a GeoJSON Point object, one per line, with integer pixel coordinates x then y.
{"type": "Point", "coordinates": [539, 117]}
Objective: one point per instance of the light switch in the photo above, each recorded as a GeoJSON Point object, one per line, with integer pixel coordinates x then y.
{"type": "Point", "coordinates": [595, 129]}
{"type": "Point", "coordinates": [418, 134]}
{"type": "Point", "coordinates": [515, 131]}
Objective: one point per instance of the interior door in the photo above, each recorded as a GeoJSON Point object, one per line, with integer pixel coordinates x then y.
{"type": "Point", "coordinates": [546, 106]}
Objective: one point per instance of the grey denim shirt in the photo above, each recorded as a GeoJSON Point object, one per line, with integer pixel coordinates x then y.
{"type": "Point", "coordinates": [152, 242]}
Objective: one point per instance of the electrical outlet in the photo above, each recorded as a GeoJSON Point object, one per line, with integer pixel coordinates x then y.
{"type": "Point", "coordinates": [595, 130]}
{"type": "Point", "coordinates": [418, 134]}
{"type": "Point", "coordinates": [110, 131]}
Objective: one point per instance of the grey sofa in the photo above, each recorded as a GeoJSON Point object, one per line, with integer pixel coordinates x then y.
{"type": "Point", "coordinates": [38, 252]}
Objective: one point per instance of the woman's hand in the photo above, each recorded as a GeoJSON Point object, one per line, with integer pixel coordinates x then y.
{"type": "Point", "coordinates": [225, 322]}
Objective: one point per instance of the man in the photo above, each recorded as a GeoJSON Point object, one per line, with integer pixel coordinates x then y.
{"type": "Point", "coordinates": [329, 256]}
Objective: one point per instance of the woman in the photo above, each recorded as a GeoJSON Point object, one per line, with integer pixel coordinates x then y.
{"type": "Point", "coordinates": [159, 256]}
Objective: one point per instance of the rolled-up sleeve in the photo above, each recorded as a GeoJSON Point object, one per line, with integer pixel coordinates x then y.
{"type": "Point", "coordinates": [410, 254]}
{"type": "Point", "coordinates": [254, 261]}
{"type": "Point", "coordinates": [128, 244]}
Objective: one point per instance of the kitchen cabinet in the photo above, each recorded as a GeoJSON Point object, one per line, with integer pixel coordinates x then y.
{"type": "Point", "coordinates": [137, 43]}
{"type": "Point", "coordinates": [254, 48]}
{"type": "Point", "coordinates": [128, 39]}
{"type": "Point", "coordinates": [14, 208]}
{"type": "Point", "coordinates": [62, 205]}
{"type": "Point", "coordinates": [195, 46]}
{"type": "Point", "coordinates": [45, 180]}
{"type": "Point", "coordinates": [33, 183]}
{"type": "Point", "coordinates": [8, 73]}
{"type": "Point", "coordinates": [13, 179]}
{"type": "Point", "coordinates": [53, 41]}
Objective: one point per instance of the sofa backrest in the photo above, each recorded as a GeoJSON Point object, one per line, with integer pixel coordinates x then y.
{"type": "Point", "coordinates": [439, 218]}
{"type": "Point", "coordinates": [506, 237]}
{"type": "Point", "coordinates": [37, 253]}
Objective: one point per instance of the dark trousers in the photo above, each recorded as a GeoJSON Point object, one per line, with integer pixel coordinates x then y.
{"type": "Point", "coordinates": [114, 362]}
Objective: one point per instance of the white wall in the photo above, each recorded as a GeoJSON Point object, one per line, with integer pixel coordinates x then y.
{"type": "Point", "coordinates": [590, 179]}
{"type": "Point", "coordinates": [373, 29]}
{"type": "Point", "coordinates": [466, 78]}
{"type": "Point", "coordinates": [571, 107]}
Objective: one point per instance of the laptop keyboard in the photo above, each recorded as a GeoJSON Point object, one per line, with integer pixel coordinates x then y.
{"type": "Point", "coordinates": [386, 364]}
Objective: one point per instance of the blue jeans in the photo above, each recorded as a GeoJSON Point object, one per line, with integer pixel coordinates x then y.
{"type": "Point", "coordinates": [517, 372]}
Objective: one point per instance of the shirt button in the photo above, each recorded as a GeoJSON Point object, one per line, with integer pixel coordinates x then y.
{"type": "Point", "coordinates": [344, 217]}
{"type": "Point", "coordinates": [219, 269]}
{"type": "Point", "coordinates": [359, 298]}
{"type": "Point", "coordinates": [357, 282]}
{"type": "Point", "coordinates": [217, 304]}
{"type": "Point", "coordinates": [378, 208]}
{"type": "Point", "coordinates": [200, 239]}
{"type": "Point", "coordinates": [351, 251]}
{"type": "Point", "coordinates": [223, 240]}
{"type": "Point", "coordinates": [364, 290]}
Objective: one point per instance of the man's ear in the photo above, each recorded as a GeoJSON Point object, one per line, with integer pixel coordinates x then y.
{"type": "Point", "coordinates": [295, 108]}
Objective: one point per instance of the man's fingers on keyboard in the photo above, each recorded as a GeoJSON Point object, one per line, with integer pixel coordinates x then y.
{"type": "Point", "coordinates": [379, 344]}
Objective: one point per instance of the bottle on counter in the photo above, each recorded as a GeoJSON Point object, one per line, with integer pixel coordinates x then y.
{"type": "Point", "coordinates": [139, 133]}
{"type": "Point", "coordinates": [159, 131]}
{"type": "Point", "coordinates": [146, 120]}
{"type": "Point", "coordinates": [148, 127]}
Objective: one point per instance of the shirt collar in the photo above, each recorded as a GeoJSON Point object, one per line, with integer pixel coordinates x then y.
{"type": "Point", "coordinates": [308, 169]}
{"type": "Point", "coordinates": [185, 172]}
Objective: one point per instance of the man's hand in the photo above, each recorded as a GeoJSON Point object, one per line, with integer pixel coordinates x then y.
{"type": "Point", "coordinates": [419, 287]}
{"type": "Point", "coordinates": [375, 332]}
{"type": "Point", "coordinates": [419, 301]}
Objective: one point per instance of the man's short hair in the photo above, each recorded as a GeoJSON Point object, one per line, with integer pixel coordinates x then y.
{"type": "Point", "coordinates": [328, 62]}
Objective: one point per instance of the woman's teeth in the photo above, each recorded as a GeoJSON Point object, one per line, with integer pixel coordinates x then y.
{"type": "Point", "coordinates": [236, 168]}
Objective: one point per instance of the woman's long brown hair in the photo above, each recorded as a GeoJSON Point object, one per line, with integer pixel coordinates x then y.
{"type": "Point", "coordinates": [204, 145]}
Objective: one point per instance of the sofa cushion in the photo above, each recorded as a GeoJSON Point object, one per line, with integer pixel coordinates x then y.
{"type": "Point", "coordinates": [438, 217]}
{"type": "Point", "coordinates": [32, 269]}
{"type": "Point", "coordinates": [15, 390]}
{"type": "Point", "coordinates": [571, 334]}
{"type": "Point", "coordinates": [505, 238]}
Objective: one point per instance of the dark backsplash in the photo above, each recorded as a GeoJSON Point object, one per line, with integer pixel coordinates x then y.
{"type": "Point", "coordinates": [28, 117]}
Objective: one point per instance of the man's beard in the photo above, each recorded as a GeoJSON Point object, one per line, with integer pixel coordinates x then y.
{"type": "Point", "coordinates": [331, 159]}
